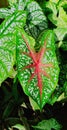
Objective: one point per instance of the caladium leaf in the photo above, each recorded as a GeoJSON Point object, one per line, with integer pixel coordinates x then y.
{"type": "Point", "coordinates": [4, 12]}
{"type": "Point", "coordinates": [22, 5]}
{"type": "Point", "coordinates": [7, 57]}
{"type": "Point", "coordinates": [12, 21]}
{"type": "Point", "coordinates": [7, 44]}
{"type": "Point", "coordinates": [15, 6]}
{"type": "Point", "coordinates": [36, 20]}
{"type": "Point", "coordinates": [37, 71]}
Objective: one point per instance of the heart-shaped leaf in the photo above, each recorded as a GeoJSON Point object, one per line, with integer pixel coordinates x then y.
{"type": "Point", "coordinates": [37, 71]}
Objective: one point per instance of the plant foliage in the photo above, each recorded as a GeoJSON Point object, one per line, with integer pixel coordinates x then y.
{"type": "Point", "coordinates": [37, 71]}
{"type": "Point", "coordinates": [47, 125]}
{"type": "Point", "coordinates": [33, 49]}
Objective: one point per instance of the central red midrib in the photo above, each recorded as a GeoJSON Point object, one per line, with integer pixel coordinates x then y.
{"type": "Point", "coordinates": [39, 78]}
{"type": "Point", "coordinates": [32, 54]}
{"type": "Point", "coordinates": [36, 57]}
{"type": "Point", "coordinates": [37, 64]}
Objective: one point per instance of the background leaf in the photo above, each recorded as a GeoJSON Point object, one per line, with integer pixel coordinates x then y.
{"type": "Point", "coordinates": [48, 125]}
{"type": "Point", "coordinates": [36, 20]}
{"type": "Point", "coordinates": [12, 2]}
{"type": "Point", "coordinates": [60, 33]}
{"type": "Point", "coordinates": [19, 127]}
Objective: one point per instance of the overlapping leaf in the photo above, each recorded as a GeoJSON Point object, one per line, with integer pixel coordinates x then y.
{"type": "Point", "coordinates": [12, 2]}
{"type": "Point", "coordinates": [36, 20]}
{"type": "Point", "coordinates": [12, 21]}
{"type": "Point", "coordinates": [48, 125]}
{"type": "Point", "coordinates": [15, 16]}
{"type": "Point", "coordinates": [58, 17]}
{"type": "Point", "coordinates": [37, 83]}
{"type": "Point", "coordinates": [7, 57]}
{"type": "Point", "coordinates": [13, 6]}
{"type": "Point", "coordinates": [4, 12]}
{"type": "Point", "coordinates": [7, 44]}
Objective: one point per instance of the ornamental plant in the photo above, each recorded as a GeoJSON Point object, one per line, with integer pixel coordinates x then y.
{"type": "Point", "coordinates": [33, 49]}
{"type": "Point", "coordinates": [37, 70]}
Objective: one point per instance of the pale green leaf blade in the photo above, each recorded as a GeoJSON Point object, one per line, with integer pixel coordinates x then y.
{"type": "Point", "coordinates": [62, 18]}
{"type": "Point", "coordinates": [19, 127]}
{"type": "Point", "coordinates": [55, 1]}
{"type": "Point", "coordinates": [60, 33]}
{"type": "Point", "coordinates": [52, 6]}
{"type": "Point", "coordinates": [12, 2]}
{"type": "Point", "coordinates": [48, 125]}
{"type": "Point", "coordinates": [57, 16]}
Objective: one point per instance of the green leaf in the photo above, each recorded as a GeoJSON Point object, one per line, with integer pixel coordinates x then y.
{"type": "Point", "coordinates": [52, 7]}
{"type": "Point", "coordinates": [33, 104]}
{"type": "Point", "coordinates": [37, 83]}
{"type": "Point", "coordinates": [12, 2]}
{"type": "Point", "coordinates": [55, 1]}
{"type": "Point", "coordinates": [8, 110]}
{"type": "Point", "coordinates": [8, 44]}
{"type": "Point", "coordinates": [12, 21]}
{"type": "Point", "coordinates": [36, 20]}
{"type": "Point", "coordinates": [65, 88]}
{"type": "Point", "coordinates": [7, 57]}
{"type": "Point", "coordinates": [19, 127]}
{"type": "Point", "coordinates": [61, 29]}
{"type": "Point", "coordinates": [64, 46]}
{"type": "Point", "coordinates": [48, 125]}
{"type": "Point", "coordinates": [62, 3]}
{"type": "Point", "coordinates": [4, 12]}
{"type": "Point", "coordinates": [58, 17]}
{"type": "Point", "coordinates": [60, 32]}
{"type": "Point", "coordinates": [35, 16]}
{"type": "Point", "coordinates": [22, 5]}
{"type": "Point", "coordinates": [54, 97]}
{"type": "Point", "coordinates": [60, 20]}
{"type": "Point", "coordinates": [15, 6]}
